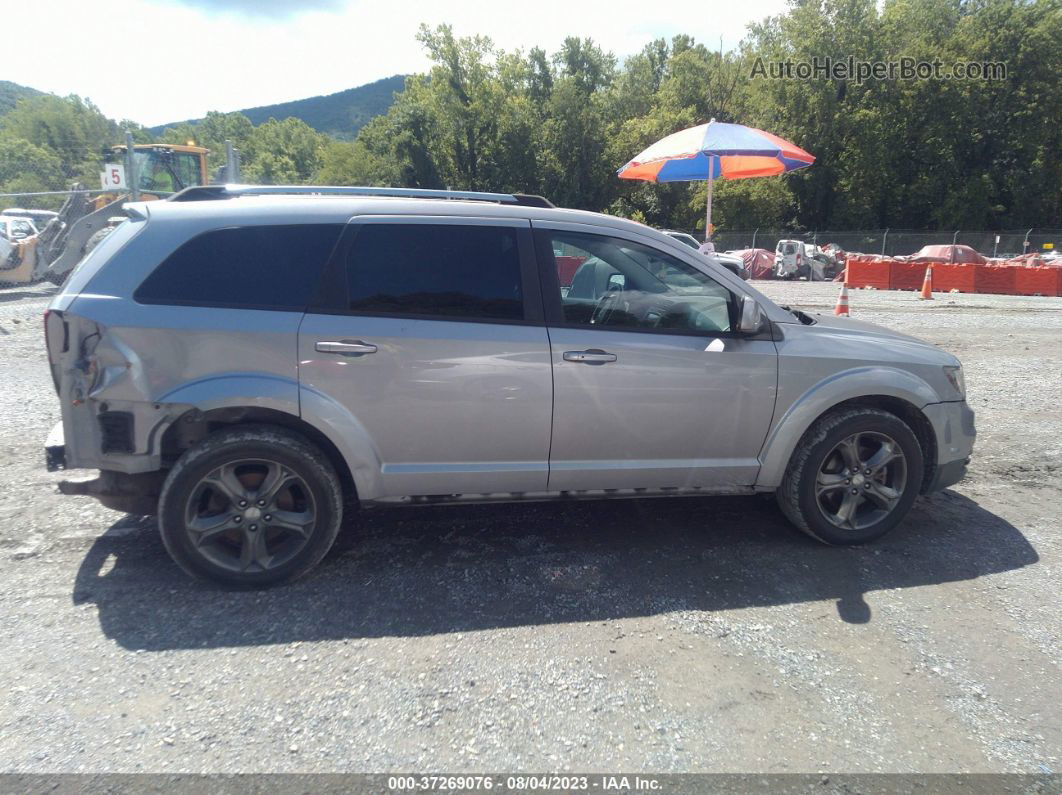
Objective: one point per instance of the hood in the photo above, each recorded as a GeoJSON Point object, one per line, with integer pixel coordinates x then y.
{"type": "Point", "coordinates": [861, 327]}
{"type": "Point", "coordinates": [835, 325]}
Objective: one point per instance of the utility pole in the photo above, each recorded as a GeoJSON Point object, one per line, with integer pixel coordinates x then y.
{"type": "Point", "coordinates": [232, 164]}
{"type": "Point", "coordinates": [130, 168]}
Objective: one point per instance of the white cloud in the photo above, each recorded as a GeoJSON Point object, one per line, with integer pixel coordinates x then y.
{"type": "Point", "coordinates": [157, 62]}
{"type": "Point", "coordinates": [277, 9]}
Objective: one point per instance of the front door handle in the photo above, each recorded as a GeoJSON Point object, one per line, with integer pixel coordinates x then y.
{"type": "Point", "coordinates": [591, 356]}
{"type": "Point", "coordinates": [345, 346]}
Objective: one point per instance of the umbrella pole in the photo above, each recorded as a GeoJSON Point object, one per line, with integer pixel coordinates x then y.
{"type": "Point", "coordinates": [708, 212]}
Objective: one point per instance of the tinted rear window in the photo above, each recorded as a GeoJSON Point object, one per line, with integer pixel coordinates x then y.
{"type": "Point", "coordinates": [447, 270]}
{"type": "Point", "coordinates": [255, 267]}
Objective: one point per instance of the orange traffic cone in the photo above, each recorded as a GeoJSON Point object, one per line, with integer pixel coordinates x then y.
{"type": "Point", "coordinates": [927, 284]}
{"type": "Point", "coordinates": [842, 301]}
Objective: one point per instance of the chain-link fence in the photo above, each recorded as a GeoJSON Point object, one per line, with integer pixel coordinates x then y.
{"type": "Point", "coordinates": [27, 247]}
{"type": "Point", "coordinates": [896, 242]}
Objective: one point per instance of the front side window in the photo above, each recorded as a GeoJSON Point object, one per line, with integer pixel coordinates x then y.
{"type": "Point", "coordinates": [435, 270]}
{"type": "Point", "coordinates": [619, 283]}
{"type": "Point", "coordinates": [255, 267]}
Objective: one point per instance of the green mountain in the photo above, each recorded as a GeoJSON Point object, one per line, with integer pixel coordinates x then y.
{"type": "Point", "coordinates": [10, 93]}
{"type": "Point", "coordinates": [340, 115]}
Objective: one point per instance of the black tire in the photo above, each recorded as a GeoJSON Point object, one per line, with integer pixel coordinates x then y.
{"type": "Point", "coordinates": [816, 486]}
{"type": "Point", "coordinates": [269, 548]}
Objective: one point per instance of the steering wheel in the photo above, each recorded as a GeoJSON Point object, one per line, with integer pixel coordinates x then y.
{"type": "Point", "coordinates": [604, 308]}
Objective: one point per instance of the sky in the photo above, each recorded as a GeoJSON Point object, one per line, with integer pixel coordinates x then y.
{"type": "Point", "coordinates": [158, 61]}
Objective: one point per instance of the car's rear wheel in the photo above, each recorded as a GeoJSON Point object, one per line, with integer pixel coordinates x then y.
{"type": "Point", "coordinates": [250, 506]}
{"type": "Point", "coordinates": [853, 477]}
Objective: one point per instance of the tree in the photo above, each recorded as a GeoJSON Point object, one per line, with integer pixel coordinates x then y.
{"type": "Point", "coordinates": [212, 132]}
{"type": "Point", "coordinates": [464, 98]}
{"type": "Point", "coordinates": [26, 168]}
{"type": "Point", "coordinates": [353, 163]}
{"type": "Point", "coordinates": [70, 127]}
{"type": "Point", "coordinates": [283, 152]}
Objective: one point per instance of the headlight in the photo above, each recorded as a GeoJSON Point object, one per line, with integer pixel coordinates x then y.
{"type": "Point", "coordinates": [955, 378]}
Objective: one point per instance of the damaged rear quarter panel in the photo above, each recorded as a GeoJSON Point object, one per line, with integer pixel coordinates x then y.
{"type": "Point", "coordinates": [156, 362]}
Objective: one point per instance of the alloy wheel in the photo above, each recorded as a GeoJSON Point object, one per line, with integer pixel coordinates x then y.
{"type": "Point", "coordinates": [250, 515]}
{"type": "Point", "coordinates": [861, 480]}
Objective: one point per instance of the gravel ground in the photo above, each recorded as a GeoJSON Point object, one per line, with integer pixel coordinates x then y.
{"type": "Point", "coordinates": [683, 635]}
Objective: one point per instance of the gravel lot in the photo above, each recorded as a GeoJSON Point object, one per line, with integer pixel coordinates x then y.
{"type": "Point", "coordinates": [684, 635]}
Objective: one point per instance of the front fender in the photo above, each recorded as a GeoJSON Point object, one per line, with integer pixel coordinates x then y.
{"type": "Point", "coordinates": [859, 382]}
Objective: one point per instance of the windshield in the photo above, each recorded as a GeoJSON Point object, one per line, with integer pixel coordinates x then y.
{"type": "Point", "coordinates": [166, 171]}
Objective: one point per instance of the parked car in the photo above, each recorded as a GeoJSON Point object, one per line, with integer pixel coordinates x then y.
{"type": "Point", "coordinates": [732, 263]}
{"type": "Point", "coordinates": [759, 262]}
{"type": "Point", "coordinates": [683, 237]}
{"type": "Point", "coordinates": [40, 218]}
{"type": "Point", "coordinates": [254, 369]}
{"type": "Point", "coordinates": [12, 228]}
{"type": "Point", "coordinates": [947, 253]}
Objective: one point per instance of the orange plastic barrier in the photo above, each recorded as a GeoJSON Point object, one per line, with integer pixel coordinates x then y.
{"type": "Point", "coordinates": [995, 279]}
{"type": "Point", "coordinates": [954, 276]}
{"type": "Point", "coordinates": [907, 275]}
{"type": "Point", "coordinates": [1036, 281]}
{"type": "Point", "coordinates": [1023, 276]}
{"type": "Point", "coordinates": [861, 273]}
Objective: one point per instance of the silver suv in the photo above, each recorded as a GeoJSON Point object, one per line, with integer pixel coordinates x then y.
{"type": "Point", "coordinates": [252, 364]}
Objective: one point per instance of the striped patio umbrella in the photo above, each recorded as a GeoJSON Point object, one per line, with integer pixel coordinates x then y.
{"type": "Point", "coordinates": [713, 150]}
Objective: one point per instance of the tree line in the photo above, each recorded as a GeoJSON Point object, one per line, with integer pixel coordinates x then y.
{"type": "Point", "coordinates": [901, 153]}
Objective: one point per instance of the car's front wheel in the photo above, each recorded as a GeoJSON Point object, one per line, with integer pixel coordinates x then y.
{"type": "Point", "coordinates": [853, 477]}
{"type": "Point", "coordinates": [250, 506]}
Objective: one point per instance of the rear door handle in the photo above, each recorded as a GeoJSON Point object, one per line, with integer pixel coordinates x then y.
{"type": "Point", "coordinates": [591, 356]}
{"type": "Point", "coordinates": [344, 346]}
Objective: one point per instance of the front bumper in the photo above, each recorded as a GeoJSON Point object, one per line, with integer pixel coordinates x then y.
{"type": "Point", "coordinates": [55, 449]}
{"type": "Point", "coordinates": [947, 475]}
{"type": "Point", "coordinates": [953, 424]}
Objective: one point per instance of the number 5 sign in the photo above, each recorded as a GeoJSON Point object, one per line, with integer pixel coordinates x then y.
{"type": "Point", "coordinates": [113, 176]}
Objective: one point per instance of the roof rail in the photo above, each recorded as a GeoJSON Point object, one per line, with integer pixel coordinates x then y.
{"type": "Point", "coordinates": [214, 192]}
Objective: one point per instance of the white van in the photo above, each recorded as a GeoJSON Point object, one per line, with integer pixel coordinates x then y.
{"type": "Point", "coordinates": [789, 259]}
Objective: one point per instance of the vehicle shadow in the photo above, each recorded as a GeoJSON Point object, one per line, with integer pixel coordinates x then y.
{"type": "Point", "coordinates": [421, 571]}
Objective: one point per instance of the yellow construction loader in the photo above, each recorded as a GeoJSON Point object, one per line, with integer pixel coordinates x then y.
{"type": "Point", "coordinates": [160, 170]}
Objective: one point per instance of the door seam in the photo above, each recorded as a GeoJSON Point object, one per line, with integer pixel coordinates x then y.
{"type": "Point", "coordinates": [552, 408]}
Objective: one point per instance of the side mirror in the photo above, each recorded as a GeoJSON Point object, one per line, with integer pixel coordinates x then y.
{"type": "Point", "coordinates": [752, 321]}
{"type": "Point", "coordinates": [617, 281]}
